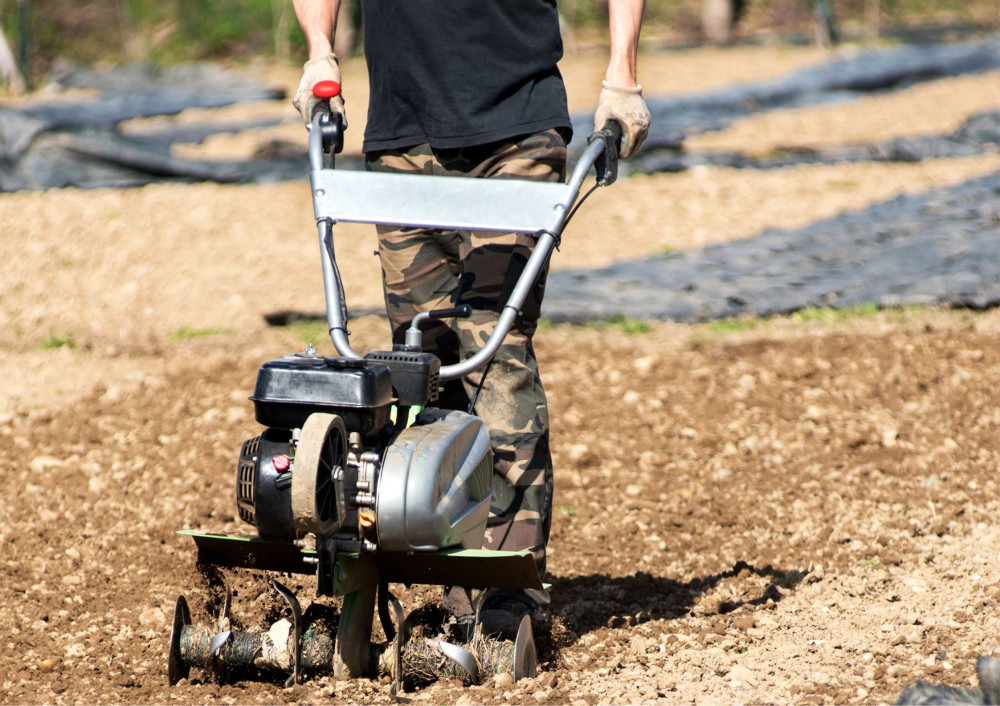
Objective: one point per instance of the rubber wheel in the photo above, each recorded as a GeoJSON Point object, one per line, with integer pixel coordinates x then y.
{"type": "Point", "coordinates": [317, 497]}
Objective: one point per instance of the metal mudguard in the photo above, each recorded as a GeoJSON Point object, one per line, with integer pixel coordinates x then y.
{"type": "Point", "coordinates": [434, 487]}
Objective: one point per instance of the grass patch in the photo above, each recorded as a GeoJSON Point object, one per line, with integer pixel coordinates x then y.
{"type": "Point", "coordinates": [312, 331]}
{"type": "Point", "coordinates": [632, 327]}
{"type": "Point", "coordinates": [626, 324]}
{"type": "Point", "coordinates": [732, 325]}
{"type": "Point", "coordinates": [55, 341]}
{"type": "Point", "coordinates": [898, 316]}
{"type": "Point", "coordinates": [813, 313]}
{"type": "Point", "coordinates": [189, 333]}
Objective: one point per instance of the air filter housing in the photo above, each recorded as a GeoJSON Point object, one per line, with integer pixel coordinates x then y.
{"type": "Point", "coordinates": [292, 387]}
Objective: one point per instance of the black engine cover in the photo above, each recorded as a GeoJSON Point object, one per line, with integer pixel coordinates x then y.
{"type": "Point", "coordinates": [291, 388]}
{"type": "Point", "coordinates": [263, 492]}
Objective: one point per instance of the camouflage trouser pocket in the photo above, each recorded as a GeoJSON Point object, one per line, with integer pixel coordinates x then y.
{"type": "Point", "coordinates": [425, 269]}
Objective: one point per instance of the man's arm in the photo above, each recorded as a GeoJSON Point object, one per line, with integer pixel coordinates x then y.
{"type": "Point", "coordinates": [318, 20]}
{"type": "Point", "coordinates": [624, 23]}
{"type": "Point", "coordinates": [621, 97]}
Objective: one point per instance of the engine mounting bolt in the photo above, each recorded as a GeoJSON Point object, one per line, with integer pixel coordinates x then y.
{"type": "Point", "coordinates": [281, 463]}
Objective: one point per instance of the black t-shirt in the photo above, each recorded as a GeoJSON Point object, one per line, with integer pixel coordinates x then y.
{"type": "Point", "coordinates": [457, 73]}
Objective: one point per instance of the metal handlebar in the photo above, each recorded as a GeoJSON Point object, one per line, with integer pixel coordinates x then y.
{"type": "Point", "coordinates": [602, 146]}
{"type": "Point", "coordinates": [326, 135]}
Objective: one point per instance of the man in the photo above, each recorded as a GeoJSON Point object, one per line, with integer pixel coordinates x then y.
{"type": "Point", "coordinates": [471, 88]}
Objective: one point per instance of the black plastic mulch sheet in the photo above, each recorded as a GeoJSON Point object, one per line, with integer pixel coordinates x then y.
{"type": "Point", "coordinates": [941, 247]}
{"type": "Point", "coordinates": [60, 141]}
{"type": "Point", "coordinates": [77, 141]}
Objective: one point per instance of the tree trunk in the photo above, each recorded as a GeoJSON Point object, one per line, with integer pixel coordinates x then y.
{"type": "Point", "coordinates": [873, 16]}
{"type": "Point", "coordinates": [717, 20]}
{"type": "Point", "coordinates": [346, 38]}
{"type": "Point", "coordinates": [9, 74]}
{"type": "Point", "coordinates": [826, 25]}
{"type": "Point", "coordinates": [279, 21]}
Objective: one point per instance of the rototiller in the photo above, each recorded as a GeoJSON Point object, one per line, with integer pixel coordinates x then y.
{"type": "Point", "coordinates": [357, 477]}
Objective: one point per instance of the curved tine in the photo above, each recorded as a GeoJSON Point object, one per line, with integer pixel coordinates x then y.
{"type": "Point", "coordinates": [399, 641]}
{"type": "Point", "coordinates": [383, 612]}
{"type": "Point", "coordinates": [222, 637]}
{"type": "Point", "coordinates": [525, 656]}
{"type": "Point", "coordinates": [227, 604]}
{"type": "Point", "coordinates": [400, 618]}
{"type": "Point", "coordinates": [293, 603]}
{"type": "Point", "coordinates": [218, 640]}
{"type": "Point", "coordinates": [462, 657]}
{"type": "Point", "coordinates": [481, 598]}
{"type": "Point", "coordinates": [177, 669]}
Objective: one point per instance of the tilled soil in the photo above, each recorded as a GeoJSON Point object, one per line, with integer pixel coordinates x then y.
{"type": "Point", "coordinates": [800, 510]}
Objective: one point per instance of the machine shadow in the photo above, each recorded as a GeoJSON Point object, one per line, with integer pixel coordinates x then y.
{"type": "Point", "coordinates": [588, 603]}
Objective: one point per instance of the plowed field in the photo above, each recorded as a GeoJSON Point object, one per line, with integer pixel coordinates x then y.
{"type": "Point", "coordinates": [800, 510]}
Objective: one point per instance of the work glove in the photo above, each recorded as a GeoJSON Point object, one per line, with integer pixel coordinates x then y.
{"type": "Point", "coordinates": [624, 104]}
{"type": "Point", "coordinates": [324, 68]}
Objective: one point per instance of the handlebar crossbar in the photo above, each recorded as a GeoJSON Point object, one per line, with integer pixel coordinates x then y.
{"type": "Point", "coordinates": [504, 205]}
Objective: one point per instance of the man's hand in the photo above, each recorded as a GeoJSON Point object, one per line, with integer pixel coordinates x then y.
{"type": "Point", "coordinates": [323, 68]}
{"type": "Point", "coordinates": [624, 104]}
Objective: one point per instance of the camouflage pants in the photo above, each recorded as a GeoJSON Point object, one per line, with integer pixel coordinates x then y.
{"type": "Point", "coordinates": [426, 269]}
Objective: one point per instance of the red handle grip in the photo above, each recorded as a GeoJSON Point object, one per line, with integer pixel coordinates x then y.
{"type": "Point", "coordinates": [326, 89]}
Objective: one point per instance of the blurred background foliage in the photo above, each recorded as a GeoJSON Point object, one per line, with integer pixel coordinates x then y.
{"type": "Point", "coordinates": [169, 31]}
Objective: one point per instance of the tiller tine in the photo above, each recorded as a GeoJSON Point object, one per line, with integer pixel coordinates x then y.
{"type": "Point", "coordinates": [284, 647]}
{"type": "Point", "coordinates": [296, 648]}
{"type": "Point", "coordinates": [473, 661]}
{"type": "Point", "coordinates": [463, 658]}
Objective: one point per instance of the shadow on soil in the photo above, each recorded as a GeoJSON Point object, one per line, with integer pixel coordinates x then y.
{"type": "Point", "coordinates": [598, 601]}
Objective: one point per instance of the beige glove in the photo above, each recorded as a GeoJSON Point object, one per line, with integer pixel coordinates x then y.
{"type": "Point", "coordinates": [624, 104]}
{"type": "Point", "coordinates": [324, 68]}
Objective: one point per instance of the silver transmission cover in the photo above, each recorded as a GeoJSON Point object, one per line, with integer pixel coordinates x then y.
{"type": "Point", "coordinates": [434, 487]}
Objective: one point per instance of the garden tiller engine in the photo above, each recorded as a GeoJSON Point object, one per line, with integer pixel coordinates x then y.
{"type": "Point", "coordinates": [357, 478]}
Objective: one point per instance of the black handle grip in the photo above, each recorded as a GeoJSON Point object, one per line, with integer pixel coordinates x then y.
{"type": "Point", "coordinates": [320, 107]}
{"type": "Point", "coordinates": [332, 126]}
{"type": "Point", "coordinates": [613, 129]}
{"type": "Point", "coordinates": [607, 163]}
{"type": "Point", "coordinates": [461, 312]}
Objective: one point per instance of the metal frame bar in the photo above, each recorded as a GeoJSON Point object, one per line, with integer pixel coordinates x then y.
{"type": "Point", "coordinates": [506, 205]}
{"type": "Point", "coordinates": [423, 201]}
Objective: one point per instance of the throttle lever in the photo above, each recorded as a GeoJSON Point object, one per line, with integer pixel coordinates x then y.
{"type": "Point", "coordinates": [326, 89]}
{"type": "Point", "coordinates": [331, 123]}
{"type": "Point", "coordinates": [413, 334]}
{"type": "Point", "coordinates": [462, 311]}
